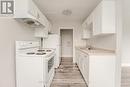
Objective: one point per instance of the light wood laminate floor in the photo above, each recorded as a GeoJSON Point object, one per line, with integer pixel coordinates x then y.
{"type": "Point", "coordinates": [68, 75]}
{"type": "Point", "coordinates": [125, 77]}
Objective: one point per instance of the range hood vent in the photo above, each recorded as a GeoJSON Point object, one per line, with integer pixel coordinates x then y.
{"type": "Point", "coordinates": [27, 12]}
{"type": "Point", "coordinates": [30, 22]}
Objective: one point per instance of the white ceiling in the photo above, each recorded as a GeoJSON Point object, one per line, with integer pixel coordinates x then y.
{"type": "Point", "coordinates": [53, 9]}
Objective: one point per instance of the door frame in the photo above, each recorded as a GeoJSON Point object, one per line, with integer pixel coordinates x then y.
{"type": "Point", "coordinates": [67, 28]}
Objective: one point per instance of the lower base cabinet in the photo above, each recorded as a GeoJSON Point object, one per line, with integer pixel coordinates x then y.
{"type": "Point", "coordinates": [97, 70]}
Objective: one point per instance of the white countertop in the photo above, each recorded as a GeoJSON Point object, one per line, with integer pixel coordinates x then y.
{"type": "Point", "coordinates": [96, 51]}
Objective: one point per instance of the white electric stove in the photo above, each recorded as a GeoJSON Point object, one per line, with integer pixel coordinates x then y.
{"type": "Point", "coordinates": [34, 66]}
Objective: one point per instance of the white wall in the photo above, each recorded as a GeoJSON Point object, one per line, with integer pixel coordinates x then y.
{"type": "Point", "coordinates": [77, 33]}
{"type": "Point", "coordinates": [126, 33]}
{"type": "Point", "coordinates": [10, 31]}
{"type": "Point", "coordinates": [67, 43]}
{"type": "Point", "coordinates": [104, 42]}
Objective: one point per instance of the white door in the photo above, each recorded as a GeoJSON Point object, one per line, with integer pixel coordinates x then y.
{"type": "Point", "coordinates": [67, 43]}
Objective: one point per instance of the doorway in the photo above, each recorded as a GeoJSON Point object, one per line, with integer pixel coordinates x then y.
{"type": "Point", "coordinates": [66, 42]}
{"type": "Point", "coordinates": [67, 67]}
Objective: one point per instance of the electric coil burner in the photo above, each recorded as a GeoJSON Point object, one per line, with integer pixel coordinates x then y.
{"type": "Point", "coordinates": [41, 50]}
{"type": "Point", "coordinates": [48, 50]}
{"type": "Point", "coordinates": [31, 53]}
{"type": "Point", "coordinates": [40, 53]}
{"type": "Point", "coordinates": [45, 50]}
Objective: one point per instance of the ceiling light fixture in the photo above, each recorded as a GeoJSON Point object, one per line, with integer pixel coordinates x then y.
{"type": "Point", "coordinates": [67, 12]}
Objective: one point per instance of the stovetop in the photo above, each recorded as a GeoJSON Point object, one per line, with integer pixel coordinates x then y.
{"type": "Point", "coordinates": [40, 52]}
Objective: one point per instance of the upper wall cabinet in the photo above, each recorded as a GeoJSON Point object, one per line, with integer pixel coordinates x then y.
{"type": "Point", "coordinates": [25, 9]}
{"type": "Point", "coordinates": [101, 21]}
{"type": "Point", "coordinates": [86, 31]}
{"type": "Point", "coordinates": [87, 28]}
{"type": "Point", "coordinates": [39, 31]}
{"type": "Point", "coordinates": [89, 20]}
{"type": "Point", "coordinates": [27, 12]}
{"type": "Point", "coordinates": [104, 18]}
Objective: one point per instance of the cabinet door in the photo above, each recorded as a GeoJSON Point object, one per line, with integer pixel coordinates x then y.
{"type": "Point", "coordinates": [97, 18]}
{"type": "Point", "coordinates": [42, 19]}
{"type": "Point", "coordinates": [77, 57]}
{"type": "Point", "coordinates": [102, 71]}
{"type": "Point", "coordinates": [49, 28]}
{"type": "Point", "coordinates": [90, 19]}
{"type": "Point", "coordinates": [84, 31]}
{"type": "Point", "coordinates": [87, 31]}
{"type": "Point", "coordinates": [32, 9]}
{"type": "Point", "coordinates": [108, 17]}
{"type": "Point", "coordinates": [104, 18]}
{"type": "Point", "coordinates": [29, 72]}
{"type": "Point", "coordinates": [86, 68]}
{"type": "Point", "coordinates": [80, 59]}
{"type": "Point", "coordinates": [39, 32]}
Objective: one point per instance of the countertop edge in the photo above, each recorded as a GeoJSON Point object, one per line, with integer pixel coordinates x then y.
{"type": "Point", "coordinates": [110, 53]}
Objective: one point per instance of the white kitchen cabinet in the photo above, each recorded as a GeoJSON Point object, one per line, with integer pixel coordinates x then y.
{"type": "Point", "coordinates": [101, 21]}
{"type": "Point", "coordinates": [97, 70]}
{"type": "Point", "coordinates": [79, 60]}
{"type": "Point", "coordinates": [89, 20]}
{"type": "Point", "coordinates": [85, 67]}
{"type": "Point", "coordinates": [97, 20]}
{"type": "Point", "coordinates": [86, 31]}
{"type": "Point", "coordinates": [87, 27]}
{"type": "Point", "coordinates": [83, 64]}
{"type": "Point", "coordinates": [77, 57]}
{"type": "Point", "coordinates": [104, 18]}
{"type": "Point", "coordinates": [32, 9]}
{"type": "Point", "coordinates": [102, 71]}
{"type": "Point", "coordinates": [41, 33]}
{"type": "Point", "coordinates": [43, 20]}
{"type": "Point", "coordinates": [27, 9]}
{"type": "Point", "coordinates": [49, 28]}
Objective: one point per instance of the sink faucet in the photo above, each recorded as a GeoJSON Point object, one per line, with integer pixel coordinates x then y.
{"type": "Point", "coordinates": [89, 47]}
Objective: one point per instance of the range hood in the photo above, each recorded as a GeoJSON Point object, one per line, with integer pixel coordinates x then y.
{"type": "Point", "coordinates": [27, 12]}
{"type": "Point", "coordinates": [30, 22]}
